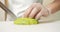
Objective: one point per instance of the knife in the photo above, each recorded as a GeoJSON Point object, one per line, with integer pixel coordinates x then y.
{"type": "Point", "coordinates": [7, 10]}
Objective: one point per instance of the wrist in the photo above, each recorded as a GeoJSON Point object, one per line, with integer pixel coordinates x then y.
{"type": "Point", "coordinates": [53, 7]}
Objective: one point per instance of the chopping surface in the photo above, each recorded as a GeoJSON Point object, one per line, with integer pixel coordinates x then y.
{"type": "Point", "coordinates": [9, 26]}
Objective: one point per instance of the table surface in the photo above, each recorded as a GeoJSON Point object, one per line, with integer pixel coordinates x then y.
{"type": "Point", "coordinates": [9, 26]}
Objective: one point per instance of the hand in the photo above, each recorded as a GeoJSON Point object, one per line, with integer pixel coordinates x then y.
{"type": "Point", "coordinates": [36, 10]}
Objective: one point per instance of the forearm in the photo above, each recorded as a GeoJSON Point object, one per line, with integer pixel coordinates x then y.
{"type": "Point", "coordinates": [55, 6]}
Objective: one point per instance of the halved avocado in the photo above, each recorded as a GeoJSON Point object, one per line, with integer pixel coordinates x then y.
{"type": "Point", "coordinates": [25, 21]}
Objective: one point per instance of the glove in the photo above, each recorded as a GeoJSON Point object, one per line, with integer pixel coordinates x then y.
{"type": "Point", "coordinates": [36, 11]}
{"type": "Point", "coordinates": [44, 12]}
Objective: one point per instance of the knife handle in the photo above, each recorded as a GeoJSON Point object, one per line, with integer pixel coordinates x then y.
{"type": "Point", "coordinates": [6, 4]}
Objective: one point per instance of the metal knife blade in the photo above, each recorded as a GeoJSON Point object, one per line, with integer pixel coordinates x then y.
{"type": "Point", "coordinates": [7, 10]}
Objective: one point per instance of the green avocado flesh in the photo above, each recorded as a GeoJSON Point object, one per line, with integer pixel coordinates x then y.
{"type": "Point", "coordinates": [25, 21]}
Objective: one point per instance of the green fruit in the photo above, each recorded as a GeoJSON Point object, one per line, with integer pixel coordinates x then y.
{"type": "Point", "coordinates": [25, 21]}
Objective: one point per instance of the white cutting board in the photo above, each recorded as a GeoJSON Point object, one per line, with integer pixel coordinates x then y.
{"type": "Point", "coordinates": [42, 27]}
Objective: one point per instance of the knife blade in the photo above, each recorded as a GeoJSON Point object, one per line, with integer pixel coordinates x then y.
{"type": "Point", "coordinates": [7, 10]}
